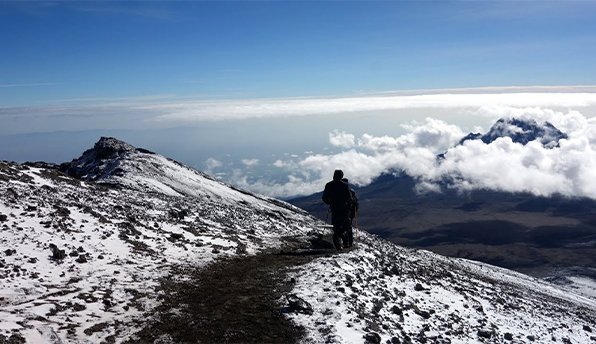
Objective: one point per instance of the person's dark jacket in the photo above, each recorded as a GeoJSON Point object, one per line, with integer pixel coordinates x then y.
{"type": "Point", "coordinates": [337, 195]}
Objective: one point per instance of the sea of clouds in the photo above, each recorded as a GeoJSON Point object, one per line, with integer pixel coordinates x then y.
{"type": "Point", "coordinates": [569, 169]}
{"type": "Point", "coordinates": [502, 165]}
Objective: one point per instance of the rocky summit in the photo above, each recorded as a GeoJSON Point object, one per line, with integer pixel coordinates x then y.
{"type": "Point", "coordinates": [99, 161]}
{"type": "Point", "coordinates": [123, 245]}
{"type": "Point", "coordinates": [520, 131]}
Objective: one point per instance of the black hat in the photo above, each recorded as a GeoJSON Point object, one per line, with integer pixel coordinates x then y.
{"type": "Point", "coordinates": [338, 175]}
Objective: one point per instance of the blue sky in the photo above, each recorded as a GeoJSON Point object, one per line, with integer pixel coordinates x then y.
{"type": "Point", "coordinates": [218, 84]}
{"type": "Point", "coordinates": [64, 50]}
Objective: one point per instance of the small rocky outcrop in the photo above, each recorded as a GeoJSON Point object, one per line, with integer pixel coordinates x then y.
{"type": "Point", "coordinates": [81, 259]}
{"type": "Point", "coordinates": [100, 160]}
{"type": "Point", "coordinates": [485, 333]}
{"type": "Point", "coordinates": [419, 287]}
{"type": "Point", "coordinates": [57, 254]}
{"type": "Point", "coordinates": [109, 147]}
{"type": "Point", "coordinates": [372, 338]}
{"type": "Point", "coordinates": [298, 305]}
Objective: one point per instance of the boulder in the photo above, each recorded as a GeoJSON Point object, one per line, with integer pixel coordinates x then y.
{"type": "Point", "coordinates": [298, 305]}
{"type": "Point", "coordinates": [81, 259]}
{"type": "Point", "coordinates": [372, 338]}
{"type": "Point", "coordinates": [57, 254]}
{"type": "Point", "coordinates": [483, 333]}
{"type": "Point", "coordinates": [176, 236]}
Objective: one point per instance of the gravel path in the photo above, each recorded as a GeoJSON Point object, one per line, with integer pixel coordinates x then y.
{"type": "Point", "coordinates": [231, 301]}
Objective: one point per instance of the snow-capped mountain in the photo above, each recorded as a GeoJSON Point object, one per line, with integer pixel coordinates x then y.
{"type": "Point", "coordinates": [92, 256]}
{"type": "Point", "coordinates": [520, 131]}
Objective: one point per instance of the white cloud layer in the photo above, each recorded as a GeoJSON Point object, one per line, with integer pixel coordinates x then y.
{"type": "Point", "coordinates": [262, 108]}
{"type": "Point", "coordinates": [503, 165]}
{"type": "Point", "coordinates": [166, 111]}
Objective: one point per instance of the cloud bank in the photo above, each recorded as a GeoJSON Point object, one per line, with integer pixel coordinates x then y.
{"type": "Point", "coordinates": [265, 108]}
{"type": "Point", "coordinates": [502, 165]}
{"type": "Point", "coordinates": [167, 111]}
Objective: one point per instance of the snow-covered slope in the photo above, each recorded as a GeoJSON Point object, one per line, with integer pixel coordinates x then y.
{"type": "Point", "coordinates": [396, 295]}
{"type": "Point", "coordinates": [81, 262]}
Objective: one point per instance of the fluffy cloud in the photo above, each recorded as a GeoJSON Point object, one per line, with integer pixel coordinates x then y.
{"type": "Point", "coordinates": [341, 139]}
{"type": "Point", "coordinates": [279, 163]}
{"type": "Point", "coordinates": [212, 164]}
{"type": "Point", "coordinates": [432, 134]}
{"type": "Point", "coordinates": [504, 165]}
{"type": "Point", "coordinates": [250, 162]}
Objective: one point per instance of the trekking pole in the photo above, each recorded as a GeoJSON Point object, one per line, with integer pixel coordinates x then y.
{"type": "Point", "coordinates": [356, 227]}
{"type": "Point", "coordinates": [327, 217]}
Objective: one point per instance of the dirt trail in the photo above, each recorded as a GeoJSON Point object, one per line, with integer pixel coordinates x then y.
{"type": "Point", "coordinates": [231, 301]}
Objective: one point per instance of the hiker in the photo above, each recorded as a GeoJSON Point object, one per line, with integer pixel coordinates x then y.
{"type": "Point", "coordinates": [353, 211]}
{"type": "Point", "coordinates": [337, 195]}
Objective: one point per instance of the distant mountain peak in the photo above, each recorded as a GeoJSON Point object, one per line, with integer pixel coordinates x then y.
{"type": "Point", "coordinates": [520, 131]}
